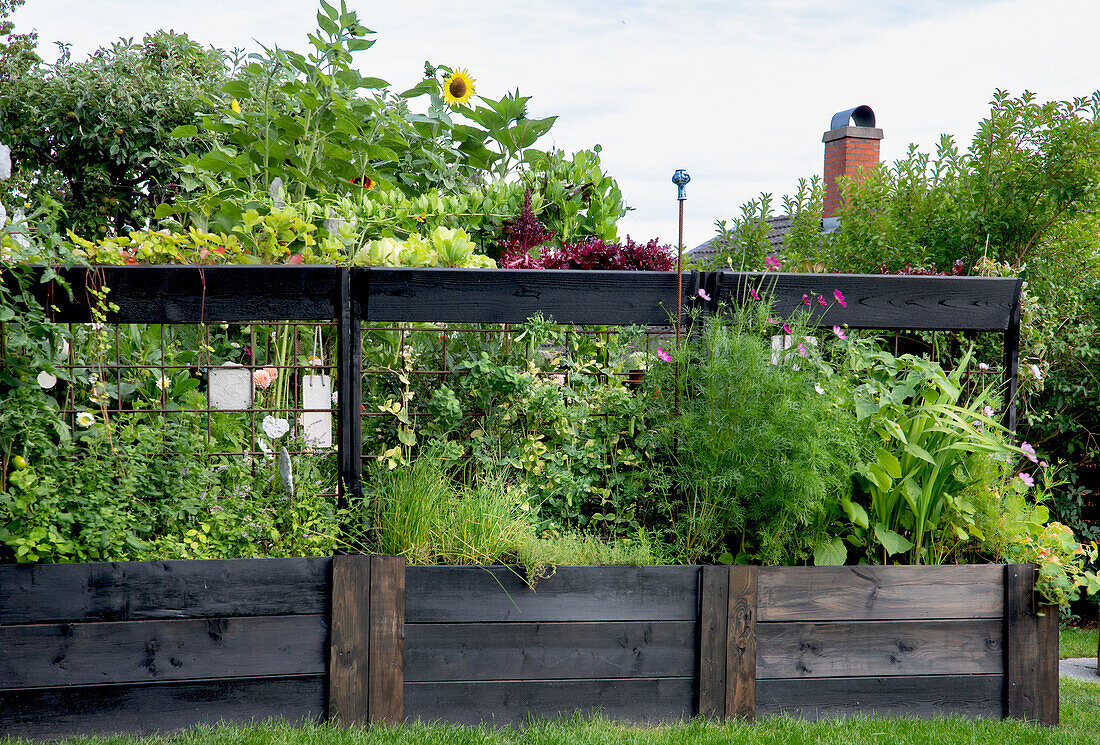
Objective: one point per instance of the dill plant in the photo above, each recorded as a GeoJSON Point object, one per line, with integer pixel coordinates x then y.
{"type": "Point", "coordinates": [758, 452]}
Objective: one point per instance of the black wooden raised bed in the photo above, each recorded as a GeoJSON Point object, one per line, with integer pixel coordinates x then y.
{"type": "Point", "coordinates": [153, 646]}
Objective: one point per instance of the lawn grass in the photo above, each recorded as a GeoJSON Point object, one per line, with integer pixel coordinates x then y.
{"type": "Point", "coordinates": [1074, 642]}
{"type": "Point", "coordinates": [1080, 712]}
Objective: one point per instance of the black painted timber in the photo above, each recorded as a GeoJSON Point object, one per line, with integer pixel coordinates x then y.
{"type": "Point", "coordinates": [457, 594]}
{"type": "Point", "coordinates": [144, 708]}
{"type": "Point", "coordinates": [514, 295]}
{"type": "Point", "coordinates": [197, 294]}
{"type": "Point", "coordinates": [881, 593]}
{"type": "Point", "coordinates": [914, 696]}
{"type": "Point", "coordinates": [551, 651]}
{"type": "Point", "coordinates": [118, 591]}
{"type": "Point", "coordinates": [887, 302]}
{"type": "Point", "coordinates": [872, 648]}
{"type": "Point", "coordinates": [514, 703]}
{"type": "Point", "coordinates": [76, 654]}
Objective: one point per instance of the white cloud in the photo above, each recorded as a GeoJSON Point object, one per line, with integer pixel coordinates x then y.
{"type": "Point", "coordinates": [738, 93]}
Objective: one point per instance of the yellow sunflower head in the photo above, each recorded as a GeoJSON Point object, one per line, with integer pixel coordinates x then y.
{"type": "Point", "coordinates": [459, 88]}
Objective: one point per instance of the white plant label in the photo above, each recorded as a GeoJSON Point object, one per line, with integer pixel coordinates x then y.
{"type": "Point", "coordinates": [230, 387]}
{"type": "Point", "coordinates": [317, 424]}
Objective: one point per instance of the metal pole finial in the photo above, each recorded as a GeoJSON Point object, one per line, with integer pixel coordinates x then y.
{"type": "Point", "coordinates": [681, 179]}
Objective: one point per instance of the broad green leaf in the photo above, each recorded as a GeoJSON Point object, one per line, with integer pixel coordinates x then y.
{"type": "Point", "coordinates": [889, 463]}
{"type": "Point", "coordinates": [830, 553]}
{"type": "Point", "coordinates": [855, 512]}
{"type": "Point", "coordinates": [918, 452]}
{"type": "Point", "coordinates": [184, 130]}
{"type": "Point", "coordinates": [891, 541]}
{"type": "Point", "coordinates": [879, 477]}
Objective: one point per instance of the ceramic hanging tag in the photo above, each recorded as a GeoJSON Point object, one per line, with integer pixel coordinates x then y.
{"type": "Point", "coordinates": [317, 424]}
{"type": "Point", "coordinates": [230, 387]}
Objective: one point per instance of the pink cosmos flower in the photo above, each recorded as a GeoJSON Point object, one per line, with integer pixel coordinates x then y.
{"type": "Point", "coordinates": [805, 299]}
{"type": "Point", "coordinates": [786, 329]}
{"type": "Point", "coordinates": [840, 298]}
{"type": "Point", "coordinates": [989, 411]}
{"type": "Point", "coordinates": [261, 379]}
{"type": "Point", "coordinates": [840, 333]}
{"type": "Point", "coordinates": [802, 350]}
{"type": "Point", "coordinates": [772, 320]}
{"type": "Point", "coordinates": [1029, 452]}
{"type": "Point", "coordinates": [1042, 464]}
{"type": "Point", "coordinates": [982, 366]}
{"type": "Point", "coordinates": [821, 301]}
{"type": "Point", "coordinates": [703, 294]}
{"type": "Point", "coordinates": [772, 263]}
{"type": "Point", "coordinates": [1027, 479]}
{"type": "Point", "coordinates": [752, 291]}
{"type": "Point", "coordinates": [664, 355]}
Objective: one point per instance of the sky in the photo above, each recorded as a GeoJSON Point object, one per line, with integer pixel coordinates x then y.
{"type": "Point", "coordinates": [737, 93]}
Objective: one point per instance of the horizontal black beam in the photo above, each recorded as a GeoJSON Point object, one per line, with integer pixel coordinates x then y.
{"type": "Point", "coordinates": [514, 295]}
{"type": "Point", "coordinates": [888, 302]}
{"type": "Point", "coordinates": [196, 294]}
{"type": "Point", "coordinates": [193, 294]}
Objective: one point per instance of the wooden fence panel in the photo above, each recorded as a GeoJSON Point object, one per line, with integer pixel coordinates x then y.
{"type": "Point", "coordinates": [914, 696]}
{"type": "Point", "coordinates": [53, 713]}
{"type": "Point", "coordinates": [514, 703]}
{"type": "Point", "coordinates": [881, 593]}
{"type": "Point", "coordinates": [573, 593]}
{"type": "Point", "coordinates": [138, 590]}
{"type": "Point", "coordinates": [874, 648]}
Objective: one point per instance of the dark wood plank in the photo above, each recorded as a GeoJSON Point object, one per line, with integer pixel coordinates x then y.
{"type": "Point", "coordinates": [348, 640]}
{"type": "Point", "coordinates": [549, 651]}
{"type": "Point", "coordinates": [118, 591]}
{"type": "Point", "coordinates": [514, 295]}
{"type": "Point", "coordinates": [1030, 650]}
{"type": "Point", "coordinates": [438, 594]}
{"type": "Point", "coordinates": [713, 612]}
{"type": "Point", "coordinates": [815, 650]}
{"type": "Point", "coordinates": [880, 593]}
{"type": "Point", "coordinates": [913, 696]}
{"type": "Point", "coordinates": [640, 700]}
{"type": "Point", "coordinates": [741, 642]}
{"type": "Point", "coordinates": [193, 294]}
{"type": "Point", "coordinates": [386, 670]}
{"type": "Point", "coordinates": [43, 713]}
{"type": "Point", "coordinates": [44, 655]}
{"type": "Point", "coordinates": [882, 301]}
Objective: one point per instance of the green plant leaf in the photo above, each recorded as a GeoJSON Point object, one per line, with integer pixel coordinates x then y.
{"type": "Point", "coordinates": [855, 513]}
{"type": "Point", "coordinates": [184, 130]}
{"type": "Point", "coordinates": [889, 463]}
{"type": "Point", "coordinates": [830, 553]}
{"type": "Point", "coordinates": [891, 541]}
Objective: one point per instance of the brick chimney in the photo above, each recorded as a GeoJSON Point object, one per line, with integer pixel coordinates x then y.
{"type": "Point", "coordinates": [851, 146]}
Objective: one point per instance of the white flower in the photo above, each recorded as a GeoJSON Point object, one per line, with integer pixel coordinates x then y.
{"type": "Point", "coordinates": [46, 380]}
{"type": "Point", "coordinates": [988, 411]}
{"type": "Point", "coordinates": [1036, 372]}
{"type": "Point", "coordinates": [84, 419]}
{"type": "Point", "coordinates": [274, 427]}
{"type": "Point", "coordinates": [818, 388]}
{"type": "Point", "coordinates": [163, 383]}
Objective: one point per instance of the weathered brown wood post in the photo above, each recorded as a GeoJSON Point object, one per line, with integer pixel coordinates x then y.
{"type": "Point", "coordinates": [1030, 650]}
{"type": "Point", "coordinates": [366, 672]}
{"type": "Point", "coordinates": [727, 642]}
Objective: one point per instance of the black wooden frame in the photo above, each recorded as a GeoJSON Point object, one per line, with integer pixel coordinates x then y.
{"type": "Point", "coordinates": [208, 294]}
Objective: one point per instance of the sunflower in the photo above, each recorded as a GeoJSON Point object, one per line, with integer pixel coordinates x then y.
{"type": "Point", "coordinates": [459, 88]}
